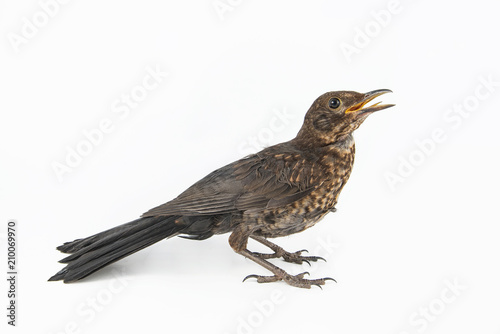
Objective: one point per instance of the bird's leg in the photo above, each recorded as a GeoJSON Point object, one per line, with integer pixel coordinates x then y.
{"type": "Point", "coordinates": [281, 275]}
{"type": "Point", "coordinates": [238, 241]}
{"type": "Point", "coordinates": [280, 252]}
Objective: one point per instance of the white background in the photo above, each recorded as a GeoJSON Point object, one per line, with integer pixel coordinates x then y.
{"type": "Point", "coordinates": [394, 250]}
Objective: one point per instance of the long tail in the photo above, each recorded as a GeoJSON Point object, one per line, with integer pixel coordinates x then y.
{"type": "Point", "coordinates": [95, 252]}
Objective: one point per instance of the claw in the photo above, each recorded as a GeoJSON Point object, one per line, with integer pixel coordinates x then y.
{"type": "Point", "coordinates": [250, 276]}
{"type": "Point", "coordinates": [264, 279]}
{"type": "Point", "coordinates": [330, 279]}
{"type": "Point", "coordinates": [303, 274]}
{"type": "Point", "coordinates": [319, 286]}
{"type": "Point", "coordinates": [309, 263]}
{"type": "Point", "coordinates": [302, 251]}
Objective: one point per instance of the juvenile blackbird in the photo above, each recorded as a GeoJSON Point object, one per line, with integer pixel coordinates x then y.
{"type": "Point", "coordinates": [278, 191]}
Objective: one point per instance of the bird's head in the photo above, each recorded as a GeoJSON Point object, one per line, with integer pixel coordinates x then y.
{"type": "Point", "coordinates": [335, 115]}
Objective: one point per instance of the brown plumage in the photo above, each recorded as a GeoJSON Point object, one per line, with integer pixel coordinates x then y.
{"type": "Point", "coordinates": [278, 191]}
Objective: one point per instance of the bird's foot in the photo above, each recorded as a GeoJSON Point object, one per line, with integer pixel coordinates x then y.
{"type": "Point", "coordinates": [280, 252]}
{"type": "Point", "coordinates": [295, 257]}
{"type": "Point", "coordinates": [281, 275]}
{"type": "Point", "coordinates": [298, 258]}
{"type": "Point", "coordinates": [294, 280]}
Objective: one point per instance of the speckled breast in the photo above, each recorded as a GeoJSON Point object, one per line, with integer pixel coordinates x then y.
{"type": "Point", "coordinates": [336, 161]}
{"type": "Point", "coordinates": [302, 214]}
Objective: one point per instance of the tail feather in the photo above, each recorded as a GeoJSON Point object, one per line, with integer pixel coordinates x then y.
{"type": "Point", "coordinates": [76, 245]}
{"type": "Point", "coordinates": [130, 233]}
{"type": "Point", "coordinates": [113, 246]}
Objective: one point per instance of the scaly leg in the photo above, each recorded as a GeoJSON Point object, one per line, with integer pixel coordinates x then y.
{"type": "Point", "coordinates": [238, 241]}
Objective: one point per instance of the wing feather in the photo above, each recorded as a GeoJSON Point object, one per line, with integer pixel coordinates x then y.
{"type": "Point", "coordinates": [268, 179]}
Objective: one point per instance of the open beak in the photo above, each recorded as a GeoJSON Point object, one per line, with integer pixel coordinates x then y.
{"type": "Point", "coordinates": [358, 107]}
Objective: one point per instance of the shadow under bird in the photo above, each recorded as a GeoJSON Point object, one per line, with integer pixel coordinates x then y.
{"type": "Point", "coordinates": [281, 190]}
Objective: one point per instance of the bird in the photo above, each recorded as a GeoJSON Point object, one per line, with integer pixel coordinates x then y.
{"type": "Point", "coordinates": [281, 190]}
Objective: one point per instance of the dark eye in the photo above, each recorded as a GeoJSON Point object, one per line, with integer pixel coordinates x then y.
{"type": "Point", "coordinates": [334, 103]}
